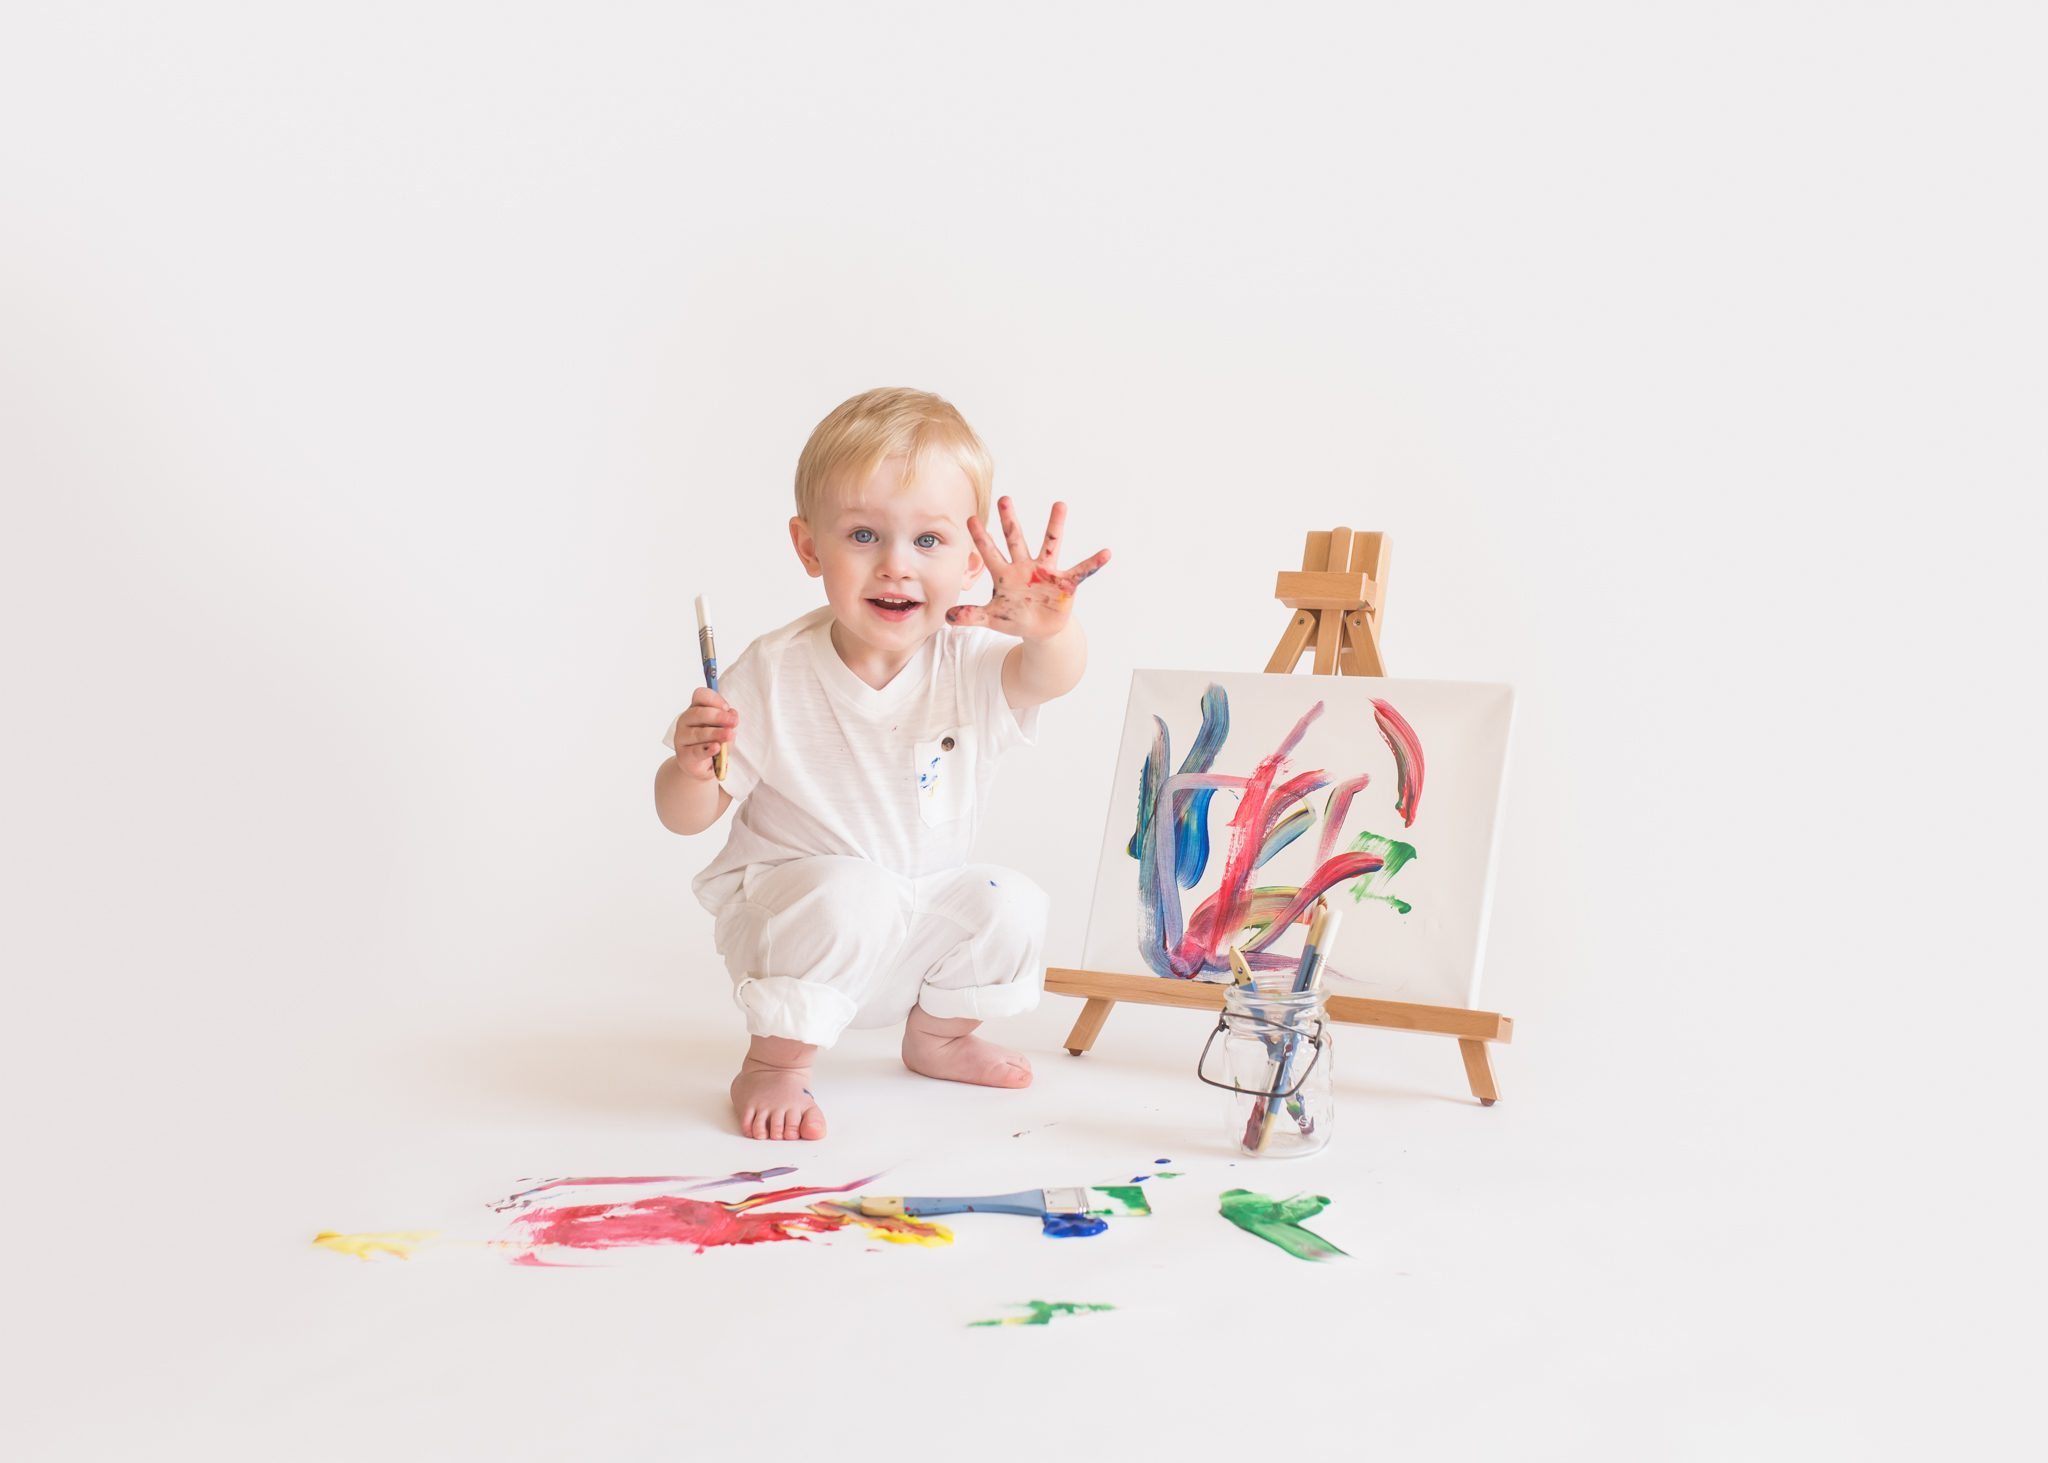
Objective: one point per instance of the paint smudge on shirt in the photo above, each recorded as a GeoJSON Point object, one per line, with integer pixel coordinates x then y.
{"type": "Point", "coordinates": [1278, 1221]}
{"type": "Point", "coordinates": [1042, 1312]}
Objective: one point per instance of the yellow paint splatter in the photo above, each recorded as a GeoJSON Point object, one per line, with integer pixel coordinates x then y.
{"type": "Point", "coordinates": [399, 1242]}
{"type": "Point", "coordinates": [896, 1230]}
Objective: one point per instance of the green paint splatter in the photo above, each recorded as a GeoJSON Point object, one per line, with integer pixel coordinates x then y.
{"type": "Point", "coordinates": [1042, 1312]}
{"type": "Point", "coordinates": [1130, 1195]}
{"type": "Point", "coordinates": [1278, 1221]}
{"type": "Point", "coordinates": [1395, 854]}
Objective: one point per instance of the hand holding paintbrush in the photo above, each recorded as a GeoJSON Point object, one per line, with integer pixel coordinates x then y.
{"type": "Point", "coordinates": [703, 733]}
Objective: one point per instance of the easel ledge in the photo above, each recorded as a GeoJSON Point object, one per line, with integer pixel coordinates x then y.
{"type": "Point", "coordinates": [1102, 989]}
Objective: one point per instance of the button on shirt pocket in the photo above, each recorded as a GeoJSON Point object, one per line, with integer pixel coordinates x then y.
{"type": "Point", "coordinates": [944, 768]}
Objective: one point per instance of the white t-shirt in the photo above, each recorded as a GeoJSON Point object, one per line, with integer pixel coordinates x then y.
{"type": "Point", "coordinates": [826, 764]}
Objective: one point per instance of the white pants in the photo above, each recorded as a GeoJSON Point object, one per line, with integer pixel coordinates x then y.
{"type": "Point", "coordinates": [816, 945]}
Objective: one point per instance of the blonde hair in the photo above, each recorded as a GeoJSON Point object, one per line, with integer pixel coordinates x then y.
{"type": "Point", "coordinates": [860, 433]}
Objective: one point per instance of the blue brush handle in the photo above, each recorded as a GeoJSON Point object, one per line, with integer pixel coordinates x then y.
{"type": "Point", "coordinates": [1027, 1201]}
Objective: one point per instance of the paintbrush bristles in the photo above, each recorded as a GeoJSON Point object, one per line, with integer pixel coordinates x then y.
{"type": "Point", "coordinates": [1324, 946]}
{"type": "Point", "coordinates": [1317, 920]}
{"type": "Point", "coordinates": [703, 613]}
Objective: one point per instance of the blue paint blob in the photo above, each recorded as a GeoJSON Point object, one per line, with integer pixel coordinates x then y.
{"type": "Point", "coordinates": [1162, 1160]}
{"type": "Point", "coordinates": [1073, 1226]}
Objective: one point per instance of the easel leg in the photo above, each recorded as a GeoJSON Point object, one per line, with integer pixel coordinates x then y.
{"type": "Point", "coordinates": [1287, 654]}
{"type": "Point", "coordinates": [1089, 1025]}
{"type": "Point", "coordinates": [1478, 1067]}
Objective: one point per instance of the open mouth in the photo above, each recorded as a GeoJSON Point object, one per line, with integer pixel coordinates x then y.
{"type": "Point", "coordinates": [896, 609]}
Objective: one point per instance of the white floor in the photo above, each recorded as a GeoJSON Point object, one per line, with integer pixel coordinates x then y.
{"type": "Point", "coordinates": [1622, 1259]}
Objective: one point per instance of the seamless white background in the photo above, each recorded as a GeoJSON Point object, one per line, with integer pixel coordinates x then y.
{"type": "Point", "coordinates": [379, 383]}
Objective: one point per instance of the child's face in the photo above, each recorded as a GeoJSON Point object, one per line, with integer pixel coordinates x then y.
{"type": "Point", "coordinates": [894, 559]}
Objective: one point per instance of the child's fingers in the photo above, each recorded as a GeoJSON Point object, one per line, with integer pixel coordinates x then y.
{"type": "Point", "coordinates": [1088, 566]}
{"type": "Point", "coordinates": [967, 615]}
{"type": "Point", "coordinates": [991, 556]}
{"type": "Point", "coordinates": [1020, 551]}
{"type": "Point", "coordinates": [1055, 529]}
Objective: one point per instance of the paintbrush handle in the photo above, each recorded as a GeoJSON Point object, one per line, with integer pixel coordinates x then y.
{"type": "Point", "coordinates": [1027, 1201]}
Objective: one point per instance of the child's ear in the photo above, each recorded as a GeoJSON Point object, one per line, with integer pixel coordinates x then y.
{"type": "Point", "coordinates": [974, 568]}
{"type": "Point", "coordinates": [806, 547]}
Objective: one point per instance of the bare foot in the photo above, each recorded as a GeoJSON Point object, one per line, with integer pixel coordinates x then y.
{"type": "Point", "coordinates": [771, 1097]}
{"type": "Point", "coordinates": [949, 1050]}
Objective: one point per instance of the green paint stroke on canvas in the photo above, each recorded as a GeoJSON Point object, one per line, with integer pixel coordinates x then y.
{"type": "Point", "coordinates": [1395, 854]}
{"type": "Point", "coordinates": [1278, 1221]}
{"type": "Point", "coordinates": [1042, 1312]}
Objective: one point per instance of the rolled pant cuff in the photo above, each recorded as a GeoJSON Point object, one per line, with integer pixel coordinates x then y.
{"type": "Point", "coordinates": [980, 1003]}
{"type": "Point", "coordinates": [800, 1010]}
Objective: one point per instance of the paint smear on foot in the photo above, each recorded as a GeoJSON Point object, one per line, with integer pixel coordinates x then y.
{"type": "Point", "coordinates": [1042, 1312]}
{"type": "Point", "coordinates": [399, 1242]}
{"type": "Point", "coordinates": [1278, 1221]}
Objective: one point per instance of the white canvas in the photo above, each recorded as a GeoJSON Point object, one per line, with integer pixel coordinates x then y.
{"type": "Point", "coordinates": [1334, 797]}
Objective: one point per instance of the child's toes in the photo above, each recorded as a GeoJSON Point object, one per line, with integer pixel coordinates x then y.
{"type": "Point", "coordinates": [812, 1125]}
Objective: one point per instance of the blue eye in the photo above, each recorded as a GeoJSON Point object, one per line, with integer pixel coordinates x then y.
{"type": "Point", "coordinates": [863, 535]}
{"type": "Point", "coordinates": [927, 540]}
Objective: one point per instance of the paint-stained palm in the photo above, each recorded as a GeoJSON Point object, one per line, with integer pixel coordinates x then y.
{"type": "Point", "coordinates": [1032, 596]}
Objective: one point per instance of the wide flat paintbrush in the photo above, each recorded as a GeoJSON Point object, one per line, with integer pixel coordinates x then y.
{"type": "Point", "coordinates": [1121, 1201]}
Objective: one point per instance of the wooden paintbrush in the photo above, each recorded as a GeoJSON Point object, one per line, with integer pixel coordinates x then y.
{"type": "Point", "coordinates": [1123, 1201]}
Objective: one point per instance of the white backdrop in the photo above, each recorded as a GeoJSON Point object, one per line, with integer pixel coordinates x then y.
{"type": "Point", "coordinates": [378, 384]}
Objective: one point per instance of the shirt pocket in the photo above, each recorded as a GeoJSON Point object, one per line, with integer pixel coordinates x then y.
{"type": "Point", "coordinates": [943, 774]}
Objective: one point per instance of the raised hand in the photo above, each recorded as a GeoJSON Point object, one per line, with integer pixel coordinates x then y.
{"type": "Point", "coordinates": [1032, 596]}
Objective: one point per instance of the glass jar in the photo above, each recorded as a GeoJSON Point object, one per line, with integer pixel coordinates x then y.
{"type": "Point", "coordinates": [1271, 1051]}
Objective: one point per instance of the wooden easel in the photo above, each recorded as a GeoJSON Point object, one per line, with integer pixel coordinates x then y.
{"type": "Point", "coordinates": [1339, 600]}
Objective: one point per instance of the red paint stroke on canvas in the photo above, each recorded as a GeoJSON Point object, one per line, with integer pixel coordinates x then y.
{"type": "Point", "coordinates": [1407, 750]}
{"type": "Point", "coordinates": [1271, 812]}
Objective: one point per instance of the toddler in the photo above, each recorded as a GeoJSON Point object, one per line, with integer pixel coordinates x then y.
{"type": "Point", "coordinates": [860, 742]}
